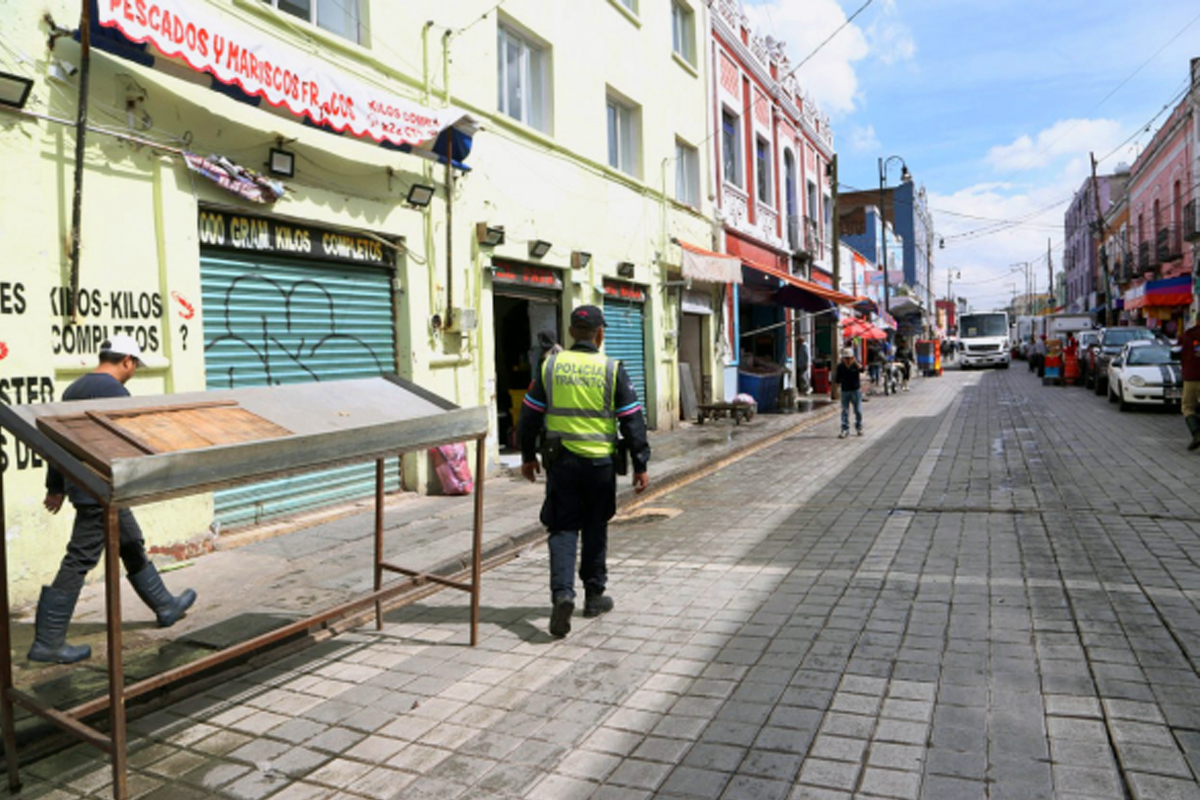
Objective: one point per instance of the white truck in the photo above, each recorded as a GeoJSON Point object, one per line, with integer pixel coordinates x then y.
{"type": "Point", "coordinates": [1058, 326]}
{"type": "Point", "coordinates": [984, 339]}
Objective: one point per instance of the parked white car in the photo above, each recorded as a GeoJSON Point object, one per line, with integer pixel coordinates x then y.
{"type": "Point", "coordinates": [1145, 373]}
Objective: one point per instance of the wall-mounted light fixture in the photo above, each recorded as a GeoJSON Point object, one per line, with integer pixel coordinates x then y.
{"type": "Point", "coordinates": [625, 269]}
{"type": "Point", "coordinates": [281, 163]}
{"type": "Point", "coordinates": [419, 195]}
{"type": "Point", "coordinates": [489, 235]}
{"type": "Point", "coordinates": [14, 90]}
{"type": "Point", "coordinates": [538, 248]}
{"type": "Point", "coordinates": [580, 259]}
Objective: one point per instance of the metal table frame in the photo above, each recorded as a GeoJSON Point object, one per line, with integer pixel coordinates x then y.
{"type": "Point", "coordinates": [471, 421]}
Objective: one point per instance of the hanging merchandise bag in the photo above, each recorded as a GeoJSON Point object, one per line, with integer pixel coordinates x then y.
{"type": "Point", "coordinates": [450, 464]}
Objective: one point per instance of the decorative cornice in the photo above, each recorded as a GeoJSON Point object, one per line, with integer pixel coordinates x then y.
{"type": "Point", "coordinates": [763, 53]}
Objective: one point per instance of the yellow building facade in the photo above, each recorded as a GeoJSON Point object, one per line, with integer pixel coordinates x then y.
{"type": "Point", "coordinates": [588, 139]}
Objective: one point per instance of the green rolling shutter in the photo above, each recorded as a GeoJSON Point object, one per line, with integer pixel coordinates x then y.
{"type": "Point", "coordinates": [625, 338]}
{"type": "Point", "coordinates": [271, 321]}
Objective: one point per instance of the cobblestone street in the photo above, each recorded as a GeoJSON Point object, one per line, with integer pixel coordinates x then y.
{"type": "Point", "coordinates": [993, 594]}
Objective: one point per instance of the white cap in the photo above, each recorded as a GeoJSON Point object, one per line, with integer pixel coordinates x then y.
{"type": "Point", "coordinates": [847, 352]}
{"type": "Point", "coordinates": [122, 344]}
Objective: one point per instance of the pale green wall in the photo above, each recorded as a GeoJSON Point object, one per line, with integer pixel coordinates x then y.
{"type": "Point", "coordinates": [141, 205]}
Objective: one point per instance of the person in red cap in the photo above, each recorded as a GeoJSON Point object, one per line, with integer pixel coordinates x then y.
{"type": "Point", "coordinates": [576, 403]}
{"type": "Point", "coordinates": [120, 357]}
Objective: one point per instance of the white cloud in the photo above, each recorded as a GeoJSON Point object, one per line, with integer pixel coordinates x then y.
{"type": "Point", "coordinates": [829, 76]}
{"type": "Point", "coordinates": [863, 140]}
{"type": "Point", "coordinates": [891, 41]}
{"type": "Point", "coordinates": [1068, 137]}
{"type": "Point", "coordinates": [990, 227]}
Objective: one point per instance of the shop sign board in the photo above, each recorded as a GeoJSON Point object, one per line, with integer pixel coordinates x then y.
{"type": "Point", "coordinates": [282, 75]}
{"type": "Point", "coordinates": [526, 275]}
{"type": "Point", "coordinates": [248, 233]}
{"type": "Point", "coordinates": [624, 291]}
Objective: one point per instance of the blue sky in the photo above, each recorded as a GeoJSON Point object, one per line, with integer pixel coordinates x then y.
{"type": "Point", "coordinates": [993, 104]}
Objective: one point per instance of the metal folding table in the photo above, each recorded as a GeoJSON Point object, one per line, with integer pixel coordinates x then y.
{"type": "Point", "coordinates": [131, 451]}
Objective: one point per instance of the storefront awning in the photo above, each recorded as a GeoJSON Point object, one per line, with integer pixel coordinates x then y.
{"type": "Point", "coordinates": [902, 306]}
{"type": "Point", "coordinates": [249, 65]}
{"type": "Point", "coordinates": [1165, 293]}
{"type": "Point", "coordinates": [704, 265]}
{"type": "Point", "coordinates": [799, 293]}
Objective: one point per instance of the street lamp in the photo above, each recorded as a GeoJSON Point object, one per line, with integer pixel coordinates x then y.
{"type": "Point", "coordinates": [904, 176]}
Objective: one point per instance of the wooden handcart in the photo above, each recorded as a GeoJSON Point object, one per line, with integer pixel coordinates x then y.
{"type": "Point", "coordinates": [738, 411]}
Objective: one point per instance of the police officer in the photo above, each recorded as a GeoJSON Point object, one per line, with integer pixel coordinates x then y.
{"type": "Point", "coordinates": [580, 398]}
{"type": "Point", "coordinates": [120, 357]}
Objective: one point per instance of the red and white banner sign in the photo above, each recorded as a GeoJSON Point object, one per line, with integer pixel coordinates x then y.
{"type": "Point", "coordinates": [273, 70]}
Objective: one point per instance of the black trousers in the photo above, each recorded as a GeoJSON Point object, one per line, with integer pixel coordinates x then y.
{"type": "Point", "coordinates": [581, 497]}
{"type": "Point", "coordinates": [87, 545]}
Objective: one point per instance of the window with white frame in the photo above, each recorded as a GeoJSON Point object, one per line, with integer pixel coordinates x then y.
{"type": "Point", "coordinates": [630, 4]}
{"type": "Point", "coordinates": [622, 136]}
{"type": "Point", "coordinates": [731, 162]}
{"type": "Point", "coordinates": [343, 18]}
{"type": "Point", "coordinates": [687, 174]}
{"type": "Point", "coordinates": [523, 78]}
{"type": "Point", "coordinates": [683, 31]}
{"type": "Point", "coordinates": [762, 169]}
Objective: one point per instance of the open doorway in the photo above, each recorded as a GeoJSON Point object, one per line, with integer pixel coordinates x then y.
{"type": "Point", "coordinates": [518, 350]}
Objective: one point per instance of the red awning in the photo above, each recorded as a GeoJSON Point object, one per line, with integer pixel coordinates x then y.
{"type": "Point", "coordinates": [825, 293]}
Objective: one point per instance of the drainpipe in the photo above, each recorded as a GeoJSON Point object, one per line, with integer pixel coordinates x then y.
{"type": "Point", "coordinates": [449, 186]}
{"type": "Point", "coordinates": [85, 53]}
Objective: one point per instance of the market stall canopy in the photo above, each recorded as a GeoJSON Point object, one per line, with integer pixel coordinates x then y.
{"type": "Point", "coordinates": [244, 64]}
{"type": "Point", "coordinates": [133, 450]}
{"type": "Point", "coordinates": [860, 329]}
{"type": "Point", "coordinates": [799, 293]}
{"type": "Point", "coordinates": [704, 265]}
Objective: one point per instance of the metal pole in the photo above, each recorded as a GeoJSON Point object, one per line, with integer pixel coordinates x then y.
{"type": "Point", "coordinates": [379, 541]}
{"type": "Point", "coordinates": [116, 665]}
{"type": "Point", "coordinates": [477, 536]}
{"type": "Point", "coordinates": [883, 240]}
{"type": "Point", "coordinates": [85, 50]}
{"type": "Point", "coordinates": [6, 674]}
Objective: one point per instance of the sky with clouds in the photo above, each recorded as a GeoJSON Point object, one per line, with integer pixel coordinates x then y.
{"type": "Point", "coordinates": [994, 105]}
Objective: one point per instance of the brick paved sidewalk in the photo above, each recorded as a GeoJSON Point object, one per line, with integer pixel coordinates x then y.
{"type": "Point", "coordinates": [261, 583]}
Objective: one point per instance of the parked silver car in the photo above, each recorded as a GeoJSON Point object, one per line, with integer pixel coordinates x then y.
{"type": "Point", "coordinates": [1110, 344]}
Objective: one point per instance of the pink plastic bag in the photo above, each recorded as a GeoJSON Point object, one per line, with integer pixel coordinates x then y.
{"type": "Point", "coordinates": [450, 464]}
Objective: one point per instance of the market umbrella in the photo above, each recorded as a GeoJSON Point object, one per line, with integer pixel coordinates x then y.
{"type": "Point", "coordinates": [861, 329]}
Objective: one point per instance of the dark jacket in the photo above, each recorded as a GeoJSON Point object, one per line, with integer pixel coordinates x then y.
{"type": "Point", "coordinates": [93, 386]}
{"type": "Point", "coordinates": [848, 377]}
{"type": "Point", "coordinates": [630, 419]}
{"type": "Point", "coordinates": [1189, 345]}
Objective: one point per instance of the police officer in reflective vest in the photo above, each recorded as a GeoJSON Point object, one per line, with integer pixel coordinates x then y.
{"type": "Point", "coordinates": [578, 402]}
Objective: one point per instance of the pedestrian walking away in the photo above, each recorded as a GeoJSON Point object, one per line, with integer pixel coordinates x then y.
{"type": "Point", "coordinates": [803, 364]}
{"type": "Point", "coordinates": [581, 398]}
{"type": "Point", "coordinates": [120, 358]}
{"type": "Point", "coordinates": [848, 377]}
{"type": "Point", "coordinates": [1189, 345]}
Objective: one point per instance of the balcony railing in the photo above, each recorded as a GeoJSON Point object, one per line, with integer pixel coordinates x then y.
{"type": "Point", "coordinates": [1167, 245]}
{"type": "Point", "coordinates": [1145, 260]}
{"type": "Point", "coordinates": [812, 238]}
{"type": "Point", "coordinates": [793, 232]}
{"type": "Point", "coordinates": [1191, 222]}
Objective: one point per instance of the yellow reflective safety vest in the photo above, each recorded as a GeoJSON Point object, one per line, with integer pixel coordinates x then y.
{"type": "Point", "coordinates": [581, 390]}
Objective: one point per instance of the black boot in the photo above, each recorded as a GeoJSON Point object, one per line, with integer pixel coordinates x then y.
{"type": "Point", "coordinates": [167, 607]}
{"type": "Point", "coordinates": [597, 603]}
{"type": "Point", "coordinates": [1193, 423]}
{"type": "Point", "coordinates": [54, 611]}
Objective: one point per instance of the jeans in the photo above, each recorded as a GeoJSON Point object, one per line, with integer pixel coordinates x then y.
{"type": "Point", "coordinates": [87, 545]}
{"type": "Point", "coordinates": [852, 398]}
